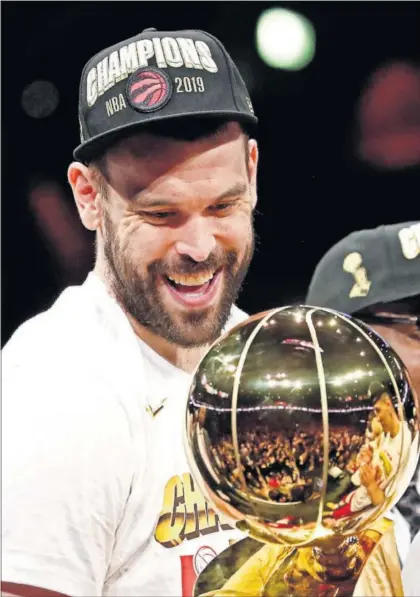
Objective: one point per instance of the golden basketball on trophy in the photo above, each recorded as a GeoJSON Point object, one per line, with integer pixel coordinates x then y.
{"type": "Point", "coordinates": [302, 430]}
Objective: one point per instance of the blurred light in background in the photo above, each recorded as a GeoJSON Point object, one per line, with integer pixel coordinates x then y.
{"type": "Point", "coordinates": [40, 99]}
{"type": "Point", "coordinates": [389, 117]}
{"type": "Point", "coordinates": [285, 39]}
{"type": "Point", "coordinates": [62, 231]}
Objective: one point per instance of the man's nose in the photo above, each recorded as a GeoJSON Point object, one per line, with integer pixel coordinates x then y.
{"type": "Point", "coordinates": [197, 240]}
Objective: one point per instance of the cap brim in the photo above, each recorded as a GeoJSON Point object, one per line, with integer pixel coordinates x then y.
{"type": "Point", "coordinates": [95, 147]}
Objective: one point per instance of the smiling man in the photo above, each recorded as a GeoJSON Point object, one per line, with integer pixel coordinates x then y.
{"type": "Point", "coordinates": [97, 496]}
{"type": "Point", "coordinates": [177, 235]}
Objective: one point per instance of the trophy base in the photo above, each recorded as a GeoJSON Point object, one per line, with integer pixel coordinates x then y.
{"type": "Point", "coordinates": [363, 565]}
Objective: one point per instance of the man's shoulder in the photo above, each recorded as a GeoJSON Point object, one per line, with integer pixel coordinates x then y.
{"type": "Point", "coordinates": [49, 334]}
{"type": "Point", "coordinates": [410, 574]}
{"type": "Point", "coordinates": [71, 336]}
{"type": "Point", "coordinates": [83, 346]}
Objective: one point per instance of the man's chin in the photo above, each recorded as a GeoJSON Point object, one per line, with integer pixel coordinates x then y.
{"type": "Point", "coordinates": [194, 335]}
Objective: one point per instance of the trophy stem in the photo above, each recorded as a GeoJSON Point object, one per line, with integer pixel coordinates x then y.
{"type": "Point", "coordinates": [340, 560]}
{"type": "Point", "coordinates": [331, 568]}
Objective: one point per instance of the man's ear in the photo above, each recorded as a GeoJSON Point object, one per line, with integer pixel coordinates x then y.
{"type": "Point", "coordinates": [85, 194]}
{"type": "Point", "coordinates": [252, 169]}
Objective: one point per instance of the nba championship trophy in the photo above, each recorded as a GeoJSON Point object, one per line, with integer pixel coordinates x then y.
{"type": "Point", "coordinates": [302, 431]}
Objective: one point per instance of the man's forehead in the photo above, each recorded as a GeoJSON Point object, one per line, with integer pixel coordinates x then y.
{"type": "Point", "coordinates": [141, 146]}
{"type": "Point", "coordinates": [148, 145]}
{"type": "Point", "coordinates": [148, 161]}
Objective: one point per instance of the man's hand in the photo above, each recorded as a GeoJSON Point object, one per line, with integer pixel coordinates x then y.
{"type": "Point", "coordinates": [364, 456]}
{"type": "Point", "coordinates": [368, 475]}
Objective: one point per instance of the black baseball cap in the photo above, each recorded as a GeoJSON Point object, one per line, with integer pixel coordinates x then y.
{"type": "Point", "coordinates": [368, 267]}
{"type": "Point", "coordinates": [153, 77]}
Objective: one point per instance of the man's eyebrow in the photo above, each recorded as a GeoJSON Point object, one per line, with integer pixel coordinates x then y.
{"type": "Point", "coordinates": [145, 200]}
{"type": "Point", "coordinates": [238, 189]}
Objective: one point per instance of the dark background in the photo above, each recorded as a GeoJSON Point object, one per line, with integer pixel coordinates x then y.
{"type": "Point", "coordinates": [313, 186]}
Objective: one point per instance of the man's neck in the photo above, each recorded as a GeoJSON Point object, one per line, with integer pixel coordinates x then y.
{"type": "Point", "coordinates": [186, 359]}
{"type": "Point", "coordinates": [395, 428]}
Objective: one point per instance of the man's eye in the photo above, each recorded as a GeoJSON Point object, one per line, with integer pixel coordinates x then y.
{"type": "Point", "coordinates": [159, 215]}
{"type": "Point", "coordinates": [221, 206]}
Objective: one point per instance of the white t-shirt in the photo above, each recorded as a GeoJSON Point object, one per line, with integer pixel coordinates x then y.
{"type": "Point", "coordinates": [97, 497]}
{"type": "Point", "coordinates": [410, 572]}
{"type": "Point", "coordinates": [391, 454]}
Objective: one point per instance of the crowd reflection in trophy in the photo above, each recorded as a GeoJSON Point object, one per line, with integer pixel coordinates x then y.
{"type": "Point", "coordinates": [278, 465]}
{"type": "Point", "coordinates": [283, 464]}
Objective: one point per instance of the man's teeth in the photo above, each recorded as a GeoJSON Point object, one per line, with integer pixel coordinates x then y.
{"type": "Point", "coordinates": [197, 280]}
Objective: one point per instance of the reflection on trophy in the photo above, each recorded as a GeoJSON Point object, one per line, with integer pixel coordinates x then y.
{"type": "Point", "coordinates": [302, 428]}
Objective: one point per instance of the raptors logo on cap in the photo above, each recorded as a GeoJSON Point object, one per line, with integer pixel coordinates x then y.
{"type": "Point", "coordinates": [149, 89]}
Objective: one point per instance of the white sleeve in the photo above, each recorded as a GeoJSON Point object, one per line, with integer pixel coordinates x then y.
{"type": "Point", "coordinates": [67, 472]}
{"type": "Point", "coordinates": [410, 572]}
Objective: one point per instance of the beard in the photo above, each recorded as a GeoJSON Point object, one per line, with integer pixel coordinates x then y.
{"type": "Point", "coordinates": [139, 295]}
